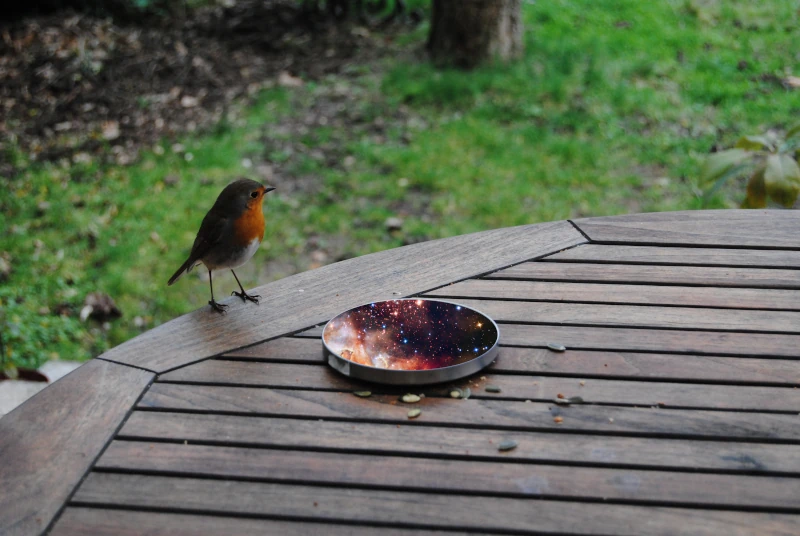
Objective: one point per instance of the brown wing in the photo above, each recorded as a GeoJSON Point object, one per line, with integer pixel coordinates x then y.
{"type": "Point", "coordinates": [211, 231]}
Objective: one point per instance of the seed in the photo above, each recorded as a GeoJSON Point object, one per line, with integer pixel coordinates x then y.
{"type": "Point", "coordinates": [558, 420]}
{"type": "Point", "coordinates": [456, 393]}
{"type": "Point", "coordinates": [559, 395]}
{"type": "Point", "coordinates": [492, 389]}
{"type": "Point", "coordinates": [466, 393]}
{"type": "Point", "coordinates": [554, 346]}
{"type": "Point", "coordinates": [410, 399]}
{"type": "Point", "coordinates": [583, 382]}
{"type": "Point", "coordinates": [363, 394]}
{"type": "Point", "coordinates": [507, 444]}
{"type": "Point", "coordinates": [414, 413]}
{"type": "Point", "coordinates": [611, 419]}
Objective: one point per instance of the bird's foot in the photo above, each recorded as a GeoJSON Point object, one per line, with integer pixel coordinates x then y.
{"type": "Point", "coordinates": [218, 307]}
{"type": "Point", "coordinates": [247, 297]}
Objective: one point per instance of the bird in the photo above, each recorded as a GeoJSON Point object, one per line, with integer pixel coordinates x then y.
{"type": "Point", "coordinates": [230, 234]}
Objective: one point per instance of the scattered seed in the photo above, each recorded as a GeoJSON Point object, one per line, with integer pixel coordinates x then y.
{"type": "Point", "coordinates": [507, 444]}
{"type": "Point", "coordinates": [466, 393]}
{"type": "Point", "coordinates": [363, 394]}
{"type": "Point", "coordinates": [583, 382]}
{"type": "Point", "coordinates": [410, 399]}
{"type": "Point", "coordinates": [611, 419]}
{"type": "Point", "coordinates": [554, 346]}
{"type": "Point", "coordinates": [558, 420]}
{"type": "Point", "coordinates": [492, 389]}
{"type": "Point", "coordinates": [529, 401]}
{"type": "Point", "coordinates": [559, 395]}
{"type": "Point", "coordinates": [456, 393]}
{"type": "Point", "coordinates": [568, 401]}
{"type": "Point", "coordinates": [483, 377]}
{"type": "Point", "coordinates": [414, 413]}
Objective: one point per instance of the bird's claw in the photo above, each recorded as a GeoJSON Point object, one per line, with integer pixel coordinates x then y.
{"type": "Point", "coordinates": [218, 307]}
{"type": "Point", "coordinates": [247, 297]}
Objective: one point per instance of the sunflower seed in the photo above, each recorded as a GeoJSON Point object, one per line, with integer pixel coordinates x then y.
{"type": "Point", "coordinates": [414, 413]}
{"type": "Point", "coordinates": [492, 389]}
{"type": "Point", "coordinates": [410, 399]}
{"type": "Point", "coordinates": [507, 444]}
{"type": "Point", "coordinates": [556, 347]}
{"type": "Point", "coordinates": [363, 394]}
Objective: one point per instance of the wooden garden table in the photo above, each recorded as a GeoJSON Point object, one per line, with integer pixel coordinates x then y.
{"type": "Point", "coordinates": [683, 337]}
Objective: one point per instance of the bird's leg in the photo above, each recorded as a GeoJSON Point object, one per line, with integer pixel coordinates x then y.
{"type": "Point", "coordinates": [244, 295]}
{"type": "Point", "coordinates": [218, 307]}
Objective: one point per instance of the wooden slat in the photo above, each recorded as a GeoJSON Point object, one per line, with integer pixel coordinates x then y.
{"type": "Point", "coordinates": [672, 275]}
{"type": "Point", "coordinates": [418, 509]}
{"type": "Point", "coordinates": [454, 476]}
{"type": "Point", "coordinates": [724, 228]}
{"type": "Point", "coordinates": [282, 349]}
{"type": "Point", "coordinates": [637, 316]}
{"type": "Point", "coordinates": [654, 340]}
{"type": "Point", "coordinates": [723, 297]}
{"type": "Point", "coordinates": [585, 363]}
{"type": "Point", "coordinates": [78, 521]}
{"type": "Point", "coordinates": [280, 375]}
{"type": "Point", "coordinates": [476, 412]}
{"type": "Point", "coordinates": [48, 443]}
{"type": "Point", "coordinates": [758, 258]}
{"type": "Point", "coordinates": [669, 367]}
{"type": "Point", "coordinates": [316, 296]}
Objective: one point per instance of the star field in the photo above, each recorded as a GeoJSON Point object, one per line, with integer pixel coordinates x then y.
{"type": "Point", "coordinates": [410, 334]}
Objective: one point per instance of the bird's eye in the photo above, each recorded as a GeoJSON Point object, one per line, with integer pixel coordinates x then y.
{"type": "Point", "coordinates": [254, 194]}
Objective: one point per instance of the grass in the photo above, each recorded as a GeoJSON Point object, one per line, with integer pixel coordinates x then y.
{"type": "Point", "coordinates": [610, 111]}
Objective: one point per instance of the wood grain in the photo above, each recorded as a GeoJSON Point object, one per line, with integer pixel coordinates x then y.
{"type": "Point", "coordinates": [454, 476]}
{"type": "Point", "coordinates": [671, 275]}
{"type": "Point", "coordinates": [585, 363]}
{"type": "Point", "coordinates": [488, 417]}
{"type": "Point", "coordinates": [754, 258]}
{"type": "Point", "coordinates": [724, 228]}
{"type": "Point", "coordinates": [316, 296]}
{"type": "Point", "coordinates": [48, 443]}
{"type": "Point", "coordinates": [637, 316]}
{"type": "Point", "coordinates": [78, 521]}
{"type": "Point", "coordinates": [622, 392]}
{"type": "Point", "coordinates": [723, 297]}
{"type": "Point", "coordinates": [653, 340]}
{"type": "Point", "coordinates": [417, 509]}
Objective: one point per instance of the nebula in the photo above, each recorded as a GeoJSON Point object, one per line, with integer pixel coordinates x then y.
{"type": "Point", "coordinates": [410, 334]}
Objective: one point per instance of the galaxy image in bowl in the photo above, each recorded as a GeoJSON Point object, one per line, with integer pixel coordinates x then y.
{"type": "Point", "coordinates": [410, 334]}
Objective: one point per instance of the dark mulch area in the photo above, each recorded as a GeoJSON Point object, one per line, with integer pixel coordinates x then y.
{"type": "Point", "coordinates": [74, 85]}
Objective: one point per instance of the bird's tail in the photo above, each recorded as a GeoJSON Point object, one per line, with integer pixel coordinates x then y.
{"type": "Point", "coordinates": [185, 267]}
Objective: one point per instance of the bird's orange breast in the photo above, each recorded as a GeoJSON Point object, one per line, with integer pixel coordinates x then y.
{"type": "Point", "coordinates": [250, 225]}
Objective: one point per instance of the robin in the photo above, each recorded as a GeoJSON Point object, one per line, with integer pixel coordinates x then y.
{"type": "Point", "coordinates": [229, 235]}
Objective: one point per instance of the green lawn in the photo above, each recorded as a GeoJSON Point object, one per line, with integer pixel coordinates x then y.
{"type": "Point", "coordinates": [610, 111]}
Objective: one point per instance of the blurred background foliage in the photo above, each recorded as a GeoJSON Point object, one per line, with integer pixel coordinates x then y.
{"type": "Point", "coordinates": [614, 108]}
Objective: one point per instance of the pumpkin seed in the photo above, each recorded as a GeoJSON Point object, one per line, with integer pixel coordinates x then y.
{"type": "Point", "coordinates": [507, 444]}
{"type": "Point", "coordinates": [410, 399]}
{"type": "Point", "coordinates": [492, 389]}
{"type": "Point", "coordinates": [363, 394]}
{"type": "Point", "coordinates": [568, 401]}
{"type": "Point", "coordinates": [414, 413]}
{"type": "Point", "coordinates": [554, 346]}
{"type": "Point", "coordinates": [456, 393]}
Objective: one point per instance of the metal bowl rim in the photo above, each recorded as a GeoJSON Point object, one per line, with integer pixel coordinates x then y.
{"type": "Point", "coordinates": [422, 373]}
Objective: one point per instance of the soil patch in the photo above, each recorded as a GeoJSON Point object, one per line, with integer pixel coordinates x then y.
{"type": "Point", "coordinates": [78, 87]}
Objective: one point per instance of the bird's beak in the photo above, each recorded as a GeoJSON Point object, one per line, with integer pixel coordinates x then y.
{"type": "Point", "coordinates": [268, 189]}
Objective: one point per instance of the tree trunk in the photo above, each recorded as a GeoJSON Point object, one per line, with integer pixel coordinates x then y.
{"type": "Point", "coordinates": [466, 33]}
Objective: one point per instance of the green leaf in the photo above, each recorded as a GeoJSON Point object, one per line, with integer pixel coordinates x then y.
{"type": "Point", "coordinates": [720, 163]}
{"type": "Point", "coordinates": [756, 192]}
{"type": "Point", "coordinates": [782, 179]}
{"type": "Point", "coordinates": [794, 131]}
{"type": "Point", "coordinates": [755, 143]}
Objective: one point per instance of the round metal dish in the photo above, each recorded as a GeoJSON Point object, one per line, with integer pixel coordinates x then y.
{"type": "Point", "coordinates": [410, 341]}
